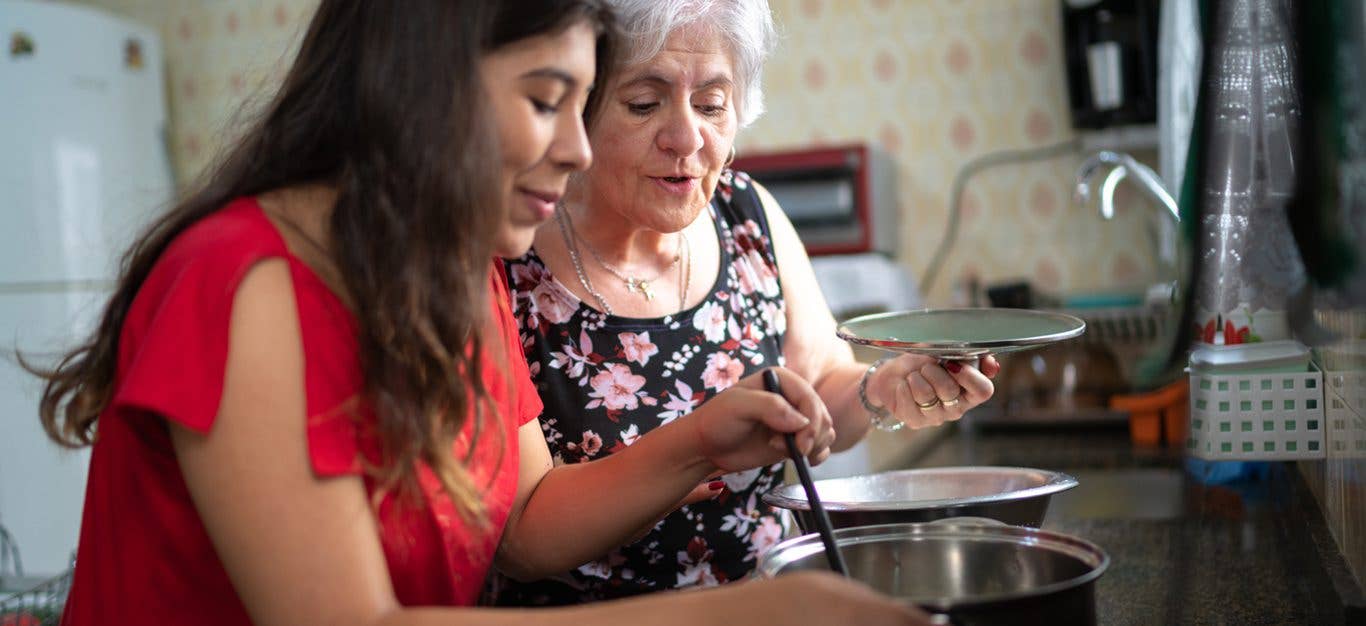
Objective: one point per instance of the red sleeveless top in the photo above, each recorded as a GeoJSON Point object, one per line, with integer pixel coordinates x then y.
{"type": "Point", "coordinates": [144, 555]}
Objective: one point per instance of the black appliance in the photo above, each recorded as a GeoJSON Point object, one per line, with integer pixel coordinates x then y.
{"type": "Point", "coordinates": [1110, 47]}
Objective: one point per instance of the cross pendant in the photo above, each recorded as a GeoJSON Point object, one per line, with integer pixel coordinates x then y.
{"type": "Point", "coordinates": [643, 287]}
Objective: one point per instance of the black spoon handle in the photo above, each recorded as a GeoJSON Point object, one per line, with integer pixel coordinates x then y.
{"type": "Point", "coordinates": [823, 527]}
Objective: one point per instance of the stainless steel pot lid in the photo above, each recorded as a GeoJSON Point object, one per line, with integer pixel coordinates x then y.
{"type": "Point", "coordinates": [935, 487]}
{"type": "Point", "coordinates": [960, 334]}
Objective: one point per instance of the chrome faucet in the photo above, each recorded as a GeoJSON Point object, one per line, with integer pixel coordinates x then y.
{"type": "Point", "coordinates": [1124, 167]}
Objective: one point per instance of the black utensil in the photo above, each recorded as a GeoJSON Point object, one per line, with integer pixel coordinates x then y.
{"type": "Point", "coordinates": [832, 551]}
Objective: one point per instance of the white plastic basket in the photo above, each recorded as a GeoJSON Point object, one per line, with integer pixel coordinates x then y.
{"type": "Point", "coordinates": [1257, 416]}
{"type": "Point", "coordinates": [1344, 408]}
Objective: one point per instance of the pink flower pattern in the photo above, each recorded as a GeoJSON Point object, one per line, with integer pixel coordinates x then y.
{"type": "Point", "coordinates": [608, 381]}
{"type": "Point", "coordinates": [767, 533]}
{"type": "Point", "coordinates": [553, 302]}
{"type": "Point", "coordinates": [588, 447]}
{"type": "Point", "coordinates": [637, 347]}
{"type": "Point", "coordinates": [711, 320]}
{"type": "Point", "coordinates": [722, 371]}
{"type": "Point", "coordinates": [615, 387]}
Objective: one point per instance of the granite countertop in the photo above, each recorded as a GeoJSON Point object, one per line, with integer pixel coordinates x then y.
{"type": "Point", "coordinates": [1255, 551]}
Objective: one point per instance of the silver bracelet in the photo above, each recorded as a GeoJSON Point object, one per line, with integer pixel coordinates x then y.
{"type": "Point", "coordinates": [881, 418]}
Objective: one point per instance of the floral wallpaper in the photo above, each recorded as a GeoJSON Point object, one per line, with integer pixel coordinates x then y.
{"type": "Point", "coordinates": [220, 55]}
{"type": "Point", "coordinates": [932, 83]}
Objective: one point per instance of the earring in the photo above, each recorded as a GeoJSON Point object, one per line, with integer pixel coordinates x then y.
{"type": "Point", "coordinates": [730, 159]}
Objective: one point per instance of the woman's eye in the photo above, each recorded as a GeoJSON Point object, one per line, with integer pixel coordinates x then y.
{"type": "Point", "coordinates": [544, 107]}
{"type": "Point", "coordinates": [711, 110]}
{"type": "Point", "coordinates": [640, 108]}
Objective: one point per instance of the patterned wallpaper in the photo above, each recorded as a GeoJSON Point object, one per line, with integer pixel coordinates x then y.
{"type": "Point", "coordinates": [220, 55]}
{"type": "Point", "coordinates": [933, 83]}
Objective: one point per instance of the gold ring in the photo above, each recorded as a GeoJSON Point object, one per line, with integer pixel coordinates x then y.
{"type": "Point", "coordinates": [952, 402]}
{"type": "Point", "coordinates": [926, 405]}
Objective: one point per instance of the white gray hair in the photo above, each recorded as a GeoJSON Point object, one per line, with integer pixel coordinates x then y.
{"type": "Point", "coordinates": [746, 25]}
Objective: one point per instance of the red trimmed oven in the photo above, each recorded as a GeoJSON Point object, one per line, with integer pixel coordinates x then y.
{"type": "Point", "coordinates": [839, 198]}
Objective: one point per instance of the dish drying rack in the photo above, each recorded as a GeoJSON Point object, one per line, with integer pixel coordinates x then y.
{"type": "Point", "coordinates": [25, 601]}
{"type": "Point", "coordinates": [1129, 333]}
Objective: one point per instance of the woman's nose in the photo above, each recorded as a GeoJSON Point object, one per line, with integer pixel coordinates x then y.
{"type": "Point", "coordinates": [571, 147]}
{"type": "Point", "coordinates": [682, 134]}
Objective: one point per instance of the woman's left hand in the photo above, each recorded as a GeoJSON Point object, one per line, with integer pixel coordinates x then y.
{"type": "Point", "coordinates": [742, 427]}
{"type": "Point", "coordinates": [924, 391]}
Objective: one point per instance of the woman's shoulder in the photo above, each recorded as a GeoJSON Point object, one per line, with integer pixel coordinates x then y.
{"type": "Point", "coordinates": [734, 185]}
{"type": "Point", "coordinates": [520, 265]}
{"type": "Point", "coordinates": [198, 273]}
{"type": "Point", "coordinates": [214, 254]}
{"type": "Point", "coordinates": [740, 208]}
{"type": "Point", "coordinates": [237, 233]}
{"type": "Point", "coordinates": [177, 327]}
{"type": "Point", "coordinates": [525, 273]}
{"type": "Point", "coordinates": [737, 198]}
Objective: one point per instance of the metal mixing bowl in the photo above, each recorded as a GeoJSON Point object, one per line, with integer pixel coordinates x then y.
{"type": "Point", "coordinates": [976, 573]}
{"type": "Point", "coordinates": [1014, 495]}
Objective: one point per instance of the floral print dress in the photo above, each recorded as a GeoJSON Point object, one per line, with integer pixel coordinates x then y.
{"type": "Point", "coordinates": [606, 381]}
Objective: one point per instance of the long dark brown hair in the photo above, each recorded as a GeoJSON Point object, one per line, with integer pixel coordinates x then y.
{"type": "Point", "coordinates": [384, 104]}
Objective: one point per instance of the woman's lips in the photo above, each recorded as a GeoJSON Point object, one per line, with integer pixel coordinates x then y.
{"type": "Point", "coordinates": [679, 185]}
{"type": "Point", "coordinates": [542, 205]}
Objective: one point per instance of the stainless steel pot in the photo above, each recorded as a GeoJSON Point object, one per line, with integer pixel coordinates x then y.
{"type": "Point", "coordinates": [977, 574]}
{"type": "Point", "coordinates": [1014, 495]}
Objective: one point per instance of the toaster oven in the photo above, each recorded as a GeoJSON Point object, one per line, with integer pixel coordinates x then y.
{"type": "Point", "coordinates": [838, 198]}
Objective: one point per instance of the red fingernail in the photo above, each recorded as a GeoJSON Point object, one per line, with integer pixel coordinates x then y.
{"type": "Point", "coordinates": [953, 367]}
{"type": "Point", "coordinates": [716, 485]}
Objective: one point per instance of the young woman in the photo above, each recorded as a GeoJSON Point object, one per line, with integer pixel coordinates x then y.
{"type": "Point", "coordinates": [306, 397]}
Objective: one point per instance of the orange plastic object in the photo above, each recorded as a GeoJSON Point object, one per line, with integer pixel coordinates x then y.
{"type": "Point", "coordinates": [1176, 417]}
{"type": "Point", "coordinates": [1156, 416]}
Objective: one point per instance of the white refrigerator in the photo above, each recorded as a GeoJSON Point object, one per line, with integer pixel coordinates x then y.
{"type": "Point", "coordinates": [83, 167]}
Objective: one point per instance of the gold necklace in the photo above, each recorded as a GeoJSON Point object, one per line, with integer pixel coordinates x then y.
{"type": "Point", "coordinates": [571, 245]}
{"type": "Point", "coordinates": [633, 284]}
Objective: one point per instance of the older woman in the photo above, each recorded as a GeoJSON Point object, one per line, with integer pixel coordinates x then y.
{"type": "Point", "coordinates": [667, 277]}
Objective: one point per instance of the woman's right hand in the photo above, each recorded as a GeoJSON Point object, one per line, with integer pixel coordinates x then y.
{"type": "Point", "coordinates": [820, 598]}
{"type": "Point", "coordinates": [742, 427]}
